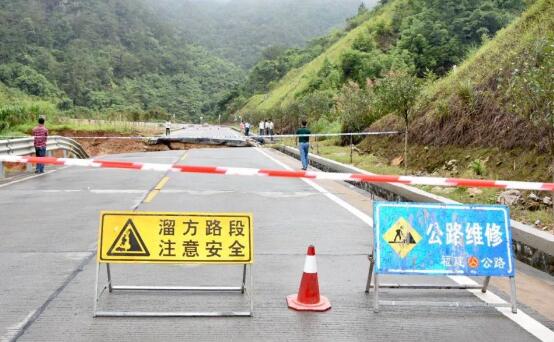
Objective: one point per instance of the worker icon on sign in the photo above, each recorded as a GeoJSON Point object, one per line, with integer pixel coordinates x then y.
{"type": "Point", "coordinates": [399, 236]}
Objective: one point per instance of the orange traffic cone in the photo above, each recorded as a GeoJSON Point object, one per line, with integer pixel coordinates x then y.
{"type": "Point", "coordinates": [308, 298]}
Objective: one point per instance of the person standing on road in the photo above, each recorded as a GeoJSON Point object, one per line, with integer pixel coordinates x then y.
{"type": "Point", "coordinates": [270, 129]}
{"type": "Point", "coordinates": [247, 128]}
{"type": "Point", "coordinates": [40, 136]}
{"type": "Point", "coordinates": [262, 127]}
{"type": "Point", "coordinates": [304, 144]}
{"type": "Point", "coordinates": [167, 127]}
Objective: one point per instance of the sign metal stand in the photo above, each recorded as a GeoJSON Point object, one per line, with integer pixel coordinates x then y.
{"type": "Point", "coordinates": [395, 237]}
{"type": "Point", "coordinates": [249, 290]}
{"type": "Point", "coordinates": [181, 238]}
{"type": "Point", "coordinates": [377, 285]}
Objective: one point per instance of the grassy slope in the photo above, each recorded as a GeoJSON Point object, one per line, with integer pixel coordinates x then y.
{"type": "Point", "coordinates": [17, 107]}
{"type": "Point", "coordinates": [495, 57]}
{"type": "Point", "coordinates": [26, 109]}
{"type": "Point", "coordinates": [298, 79]}
{"type": "Point", "coordinates": [445, 127]}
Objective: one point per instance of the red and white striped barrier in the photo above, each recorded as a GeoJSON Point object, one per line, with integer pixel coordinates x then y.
{"type": "Point", "coordinates": [252, 135]}
{"type": "Point", "coordinates": [242, 171]}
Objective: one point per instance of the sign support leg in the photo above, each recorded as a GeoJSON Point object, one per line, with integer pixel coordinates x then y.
{"type": "Point", "coordinates": [513, 294]}
{"type": "Point", "coordinates": [96, 289]}
{"type": "Point", "coordinates": [370, 273]}
{"type": "Point", "coordinates": [376, 294]}
{"type": "Point", "coordinates": [109, 277]}
{"type": "Point", "coordinates": [485, 284]}
{"type": "Point", "coordinates": [243, 287]}
{"type": "Point", "coordinates": [251, 290]}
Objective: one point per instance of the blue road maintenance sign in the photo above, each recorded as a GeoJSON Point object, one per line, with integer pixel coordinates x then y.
{"type": "Point", "coordinates": [442, 239]}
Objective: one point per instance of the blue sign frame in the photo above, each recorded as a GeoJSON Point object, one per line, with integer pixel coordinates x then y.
{"type": "Point", "coordinates": [442, 239]}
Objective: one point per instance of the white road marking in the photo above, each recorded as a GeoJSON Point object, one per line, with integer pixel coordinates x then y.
{"type": "Point", "coordinates": [522, 319]}
{"type": "Point", "coordinates": [116, 191]}
{"type": "Point", "coordinates": [93, 191]}
{"type": "Point", "coordinates": [356, 212]}
{"type": "Point", "coordinates": [30, 177]}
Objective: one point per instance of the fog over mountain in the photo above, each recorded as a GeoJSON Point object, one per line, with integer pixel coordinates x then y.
{"type": "Point", "coordinates": [238, 30]}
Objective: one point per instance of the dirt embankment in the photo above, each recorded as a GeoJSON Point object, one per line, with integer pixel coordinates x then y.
{"type": "Point", "coordinates": [99, 143]}
{"type": "Point", "coordinates": [517, 163]}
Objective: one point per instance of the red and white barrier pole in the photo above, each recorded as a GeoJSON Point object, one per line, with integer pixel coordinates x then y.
{"type": "Point", "coordinates": [242, 171]}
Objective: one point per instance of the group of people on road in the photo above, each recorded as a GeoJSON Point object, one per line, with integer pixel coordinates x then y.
{"type": "Point", "coordinates": [245, 128]}
{"type": "Point", "coordinates": [266, 128]}
{"type": "Point", "coordinates": [40, 137]}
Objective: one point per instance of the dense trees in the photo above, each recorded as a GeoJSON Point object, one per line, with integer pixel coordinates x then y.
{"type": "Point", "coordinates": [107, 55]}
{"type": "Point", "coordinates": [413, 38]}
{"type": "Point", "coordinates": [157, 57]}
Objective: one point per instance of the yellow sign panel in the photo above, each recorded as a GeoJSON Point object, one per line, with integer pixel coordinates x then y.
{"type": "Point", "coordinates": [146, 237]}
{"type": "Point", "coordinates": [402, 237]}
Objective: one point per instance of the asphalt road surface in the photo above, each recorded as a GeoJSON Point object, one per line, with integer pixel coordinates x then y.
{"type": "Point", "coordinates": [47, 261]}
{"type": "Point", "coordinates": [200, 132]}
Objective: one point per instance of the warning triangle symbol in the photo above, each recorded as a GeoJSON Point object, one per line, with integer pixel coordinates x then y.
{"type": "Point", "coordinates": [410, 239]}
{"type": "Point", "coordinates": [128, 242]}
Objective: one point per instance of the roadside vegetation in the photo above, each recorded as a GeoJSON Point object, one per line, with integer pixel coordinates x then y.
{"type": "Point", "coordinates": [482, 76]}
{"type": "Point", "coordinates": [459, 163]}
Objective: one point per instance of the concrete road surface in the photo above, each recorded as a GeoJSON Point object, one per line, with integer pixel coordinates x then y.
{"type": "Point", "coordinates": [47, 261]}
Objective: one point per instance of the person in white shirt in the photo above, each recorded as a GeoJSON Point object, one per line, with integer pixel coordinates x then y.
{"type": "Point", "coordinates": [270, 129]}
{"type": "Point", "coordinates": [167, 127]}
{"type": "Point", "coordinates": [262, 127]}
{"type": "Point", "coordinates": [247, 128]}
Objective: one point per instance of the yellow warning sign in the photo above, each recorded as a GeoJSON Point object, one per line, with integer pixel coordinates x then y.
{"type": "Point", "coordinates": [147, 237]}
{"type": "Point", "coordinates": [402, 237]}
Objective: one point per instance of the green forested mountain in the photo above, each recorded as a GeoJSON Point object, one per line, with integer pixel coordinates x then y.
{"type": "Point", "coordinates": [143, 58]}
{"type": "Point", "coordinates": [239, 30]}
{"type": "Point", "coordinates": [457, 76]}
{"type": "Point", "coordinates": [419, 38]}
{"type": "Point", "coordinates": [106, 54]}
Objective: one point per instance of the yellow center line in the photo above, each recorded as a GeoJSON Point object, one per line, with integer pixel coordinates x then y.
{"type": "Point", "coordinates": [156, 190]}
{"type": "Point", "coordinates": [161, 183]}
{"type": "Point", "coordinates": [152, 194]}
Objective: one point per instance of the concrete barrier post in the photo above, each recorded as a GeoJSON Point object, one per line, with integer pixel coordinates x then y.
{"type": "Point", "coordinates": [316, 145]}
{"type": "Point", "coordinates": [351, 148]}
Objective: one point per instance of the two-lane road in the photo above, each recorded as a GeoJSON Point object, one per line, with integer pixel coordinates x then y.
{"type": "Point", "coordinates": [49, 230]}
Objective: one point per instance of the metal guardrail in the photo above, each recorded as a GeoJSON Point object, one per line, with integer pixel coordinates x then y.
{"type": "Point", "coordinates": [25, 146]}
